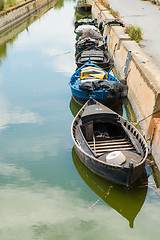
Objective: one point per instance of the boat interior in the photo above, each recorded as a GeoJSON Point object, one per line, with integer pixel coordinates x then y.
{"type": "Point", "coordinates": [106, 137]}
{"type": "Point", "coordinates": [95, 55]}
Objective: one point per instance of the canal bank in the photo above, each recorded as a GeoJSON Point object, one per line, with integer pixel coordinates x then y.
{"type": "Point", "coordinates": [141, 75]}
{"type": "Point", "coordinates": [18, 13]}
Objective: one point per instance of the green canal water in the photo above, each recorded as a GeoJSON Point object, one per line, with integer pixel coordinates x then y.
{"type": "Point", "coordinates": [45, 191]}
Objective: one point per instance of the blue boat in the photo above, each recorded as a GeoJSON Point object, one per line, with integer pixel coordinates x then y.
{"type": "Point", "coordinates": [92, 81]}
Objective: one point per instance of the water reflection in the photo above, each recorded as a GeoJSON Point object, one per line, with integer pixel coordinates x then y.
{"type": "Point", "coordinates": [3, 52]}
{"type": "Point", "coordinates": [11, 36]}
{"type": "Point", "coordinates": [15, 115]}
{"type": "Point", "coordinates": [127, 202]}
{"type": "Point", "coordinates": [80, 14]}
{"type": "Point", "coordinates": [74, 107]}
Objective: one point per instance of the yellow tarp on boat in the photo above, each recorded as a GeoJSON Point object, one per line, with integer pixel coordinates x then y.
{"type": "Point", "coordinates": [88, 72]}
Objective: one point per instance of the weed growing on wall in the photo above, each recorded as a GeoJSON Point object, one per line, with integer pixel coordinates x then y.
{"type": "Point", "coordinates": [1, 5]}
{"type": "Point", "coordinates": [134, 32]}
{"type": "Point", "coordinates": [10, 3]}
{"type": "Point", "coordinates": [114, 13]}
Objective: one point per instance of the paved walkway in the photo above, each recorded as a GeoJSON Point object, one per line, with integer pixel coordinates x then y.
{"type": "Point", "coordinates": [145, 15]}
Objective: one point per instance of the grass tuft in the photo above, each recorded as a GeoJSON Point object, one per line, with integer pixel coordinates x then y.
{"type": "Point", "coordinates": [135, 33]}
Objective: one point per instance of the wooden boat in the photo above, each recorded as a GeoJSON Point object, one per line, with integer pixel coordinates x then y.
{"type": "Point", "coordinates": [120, 198]}
{"type": "Point", "coordinates": [120, 107]}
{"type": "Point", "coordinates": [108, 144]}
{"type": "Point", "coordinates": [84, 43]}
{"type": "Point", "coordinates": [92, 81]}
{"type": "Point", "coordinates": [96, 55]}
{"type": "Point", "coordinates": [83, 6]}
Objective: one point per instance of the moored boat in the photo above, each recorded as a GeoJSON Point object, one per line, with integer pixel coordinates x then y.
{"type": "Point", "coordinates": [87, 30]}
{"type": "Point", "coordinates": [96, 55]}
{"type": "Point", "coordinates": [84, 43]}
{"type": "Point", "coordinates": [83, 6]}
{"type": "Point", "coordinates": [108, 144]}
{"type": "Point", "coordinates": [86, 20]}
{"type": "Point", "coordinates": [92, 81]}
{"type": "Point", "coordinates": [90, 32]}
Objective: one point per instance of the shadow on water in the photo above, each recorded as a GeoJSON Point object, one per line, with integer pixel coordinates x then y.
{"type": "Point", "coordinates": [127, 202]}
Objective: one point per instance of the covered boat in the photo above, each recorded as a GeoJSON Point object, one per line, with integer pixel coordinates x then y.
{"type": "Point", "coordinates": [86, 20]}
{"type": "Point", "coordinates": [108, 144]}
{"type": "Point", "coordinates": [92, 81]}
{"type": "Point", "coordinates": [90, 32]}
{"type": "Point", "coordinates": [87, 30]}
{"type": "Point", "coordinates": [96, 55]}
{"type": "Point", "coordinates": [87, 42]}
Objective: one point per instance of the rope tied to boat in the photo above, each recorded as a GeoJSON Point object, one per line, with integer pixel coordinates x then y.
{"type": "Point", "coordinates": [150, 115]}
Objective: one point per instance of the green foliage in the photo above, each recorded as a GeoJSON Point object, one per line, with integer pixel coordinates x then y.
{"type": "Point", "coordinates": [59, 4]}
{"type": "Point", "coordinates": [135, 33]}
{"type": "Point", "coordinates": [1, 5]}
{"type": "Point", "coordinates": [10, 3]}
{"type": "Point", "coordinates": [114, 13]}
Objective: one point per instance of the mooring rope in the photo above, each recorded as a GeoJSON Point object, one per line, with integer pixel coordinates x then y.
{"type": "Point", "coordinates": [148, 116]}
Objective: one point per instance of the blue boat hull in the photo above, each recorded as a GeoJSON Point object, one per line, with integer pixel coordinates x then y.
{"type": "Point", "coordinates": [102, 94]}
{"type": "Point", "coordinates": [107, 100]}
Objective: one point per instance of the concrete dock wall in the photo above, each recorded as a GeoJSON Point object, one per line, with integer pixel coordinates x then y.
{"type": "Point", "coordinates": [141, 74]}
{"type": "Point", "coordinates": [18, 13]}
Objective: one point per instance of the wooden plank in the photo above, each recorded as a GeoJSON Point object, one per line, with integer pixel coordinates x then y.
{"type": "Point", "coordinates": [113, 139]}
{"type": "Point", "coordinates": [113, 146]}
{"type": "Point", "coordinates": [97, 59]}
{"type": "Point", "coordinates": [110, 140]}
{"type": "Point", "coordinates": [110, 144]}
{"type": "Point", "coordinates": [89, 53]}
{"type": "Point", "coordinates": [115, 149]}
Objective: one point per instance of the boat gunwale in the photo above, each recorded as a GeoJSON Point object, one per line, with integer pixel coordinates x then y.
{"type": "Point", "coordinates": [94, 158]}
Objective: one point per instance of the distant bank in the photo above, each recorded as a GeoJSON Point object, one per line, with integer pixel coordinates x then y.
{"type": "Point", "coordinates": [16, 14]}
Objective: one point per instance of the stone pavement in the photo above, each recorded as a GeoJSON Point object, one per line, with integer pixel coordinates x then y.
{"type": "Point", "coordinates": [145, 15]}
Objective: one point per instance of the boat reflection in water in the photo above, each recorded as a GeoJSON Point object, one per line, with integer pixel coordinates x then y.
{"type": "Point", "coordinates": [127, 202]}
{"type": "Point", "coordinates": [74, 107]}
